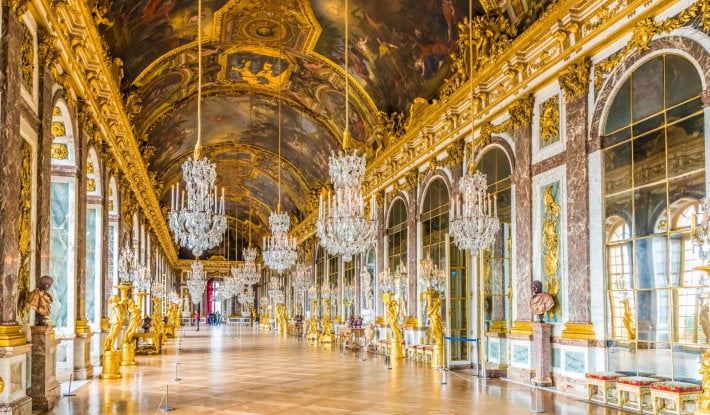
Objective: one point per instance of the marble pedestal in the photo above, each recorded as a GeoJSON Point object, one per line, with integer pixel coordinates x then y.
{"type": "Point", "coordinates": [45, 388]}
{"type": "Point", "coordinates": [83, 369]}
{"type": "Point", "coordinates": [14, 355]}
{"type": "Point", "coordinates": [542, 354]}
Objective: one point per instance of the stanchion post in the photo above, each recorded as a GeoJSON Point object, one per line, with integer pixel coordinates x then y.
{"type": "Point", "coordinates": [166, 408]}
{"type": "Point", "coordinates": [69, 392]}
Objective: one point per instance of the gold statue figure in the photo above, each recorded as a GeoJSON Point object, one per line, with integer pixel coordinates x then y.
{"type": "Point", "coordinates": [628, 322]}
{"type": "Point", "coordinates": [134, 321]}
{"type": "Point", "coordinates": [118, 313]}
{"type": "Point", "coordinates": [41, 301]}
{"type": "Point", "coordinates": [392, 315]}
{"type": "Point", "coordinates": [436, 326]}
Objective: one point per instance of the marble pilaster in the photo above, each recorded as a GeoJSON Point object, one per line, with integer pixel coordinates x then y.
{"type": "Point", "coordinates": [44, 390]}
{"type": "Point", "coordinates": [577, 211]}
{"type": "Point", "coordinates": [380, 256]}
{"type": "Point", "coordinates": [83, 369]}
{"type": "Point", "coordinates": [412, 258]}
{"type": "Point", "coordinates": [522, 182]}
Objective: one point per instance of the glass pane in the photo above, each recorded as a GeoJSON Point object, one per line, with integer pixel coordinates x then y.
{"type": "Point", "coordinates": [651, 263]}
{"type": "Point", "coordinates": [619, 207]}
{"type": "Point", "coordinates": [649, 158]}
{"type": "Point", "coordinates": [650, 210]}
{"type": "Point", "coordinates": [654, 359]}
{"type": "Point", "coordinates": [691, 324]}
{"type": "Point", "coordinates": [649, 124]}
{"type": "Point", "coordinates": [686, 363]}
{"type": "Point", "coordinates": [617, 137]}
{"type": "Point", "coordinates": [683, 110]}
{"type": "Point", "coordinates": [686, 146]}
{"type": "Point", "coordinates": [617, 168]}
{"type": "Point", "coordinates": [620, 111]}
{"type": "Point", "coordinates": [654, 315]}
{"type": "Point", "coordinates": [647, 89]}
{"type": "Point", "coordinates": [682, 80]}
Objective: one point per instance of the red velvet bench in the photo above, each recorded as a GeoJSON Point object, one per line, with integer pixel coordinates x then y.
{"type": "Point", "coordinates": [680, 393]}
{"type": "Point", "coordinates": [640, 386]}
{"type": "Point", "coordinates": [602, 383]}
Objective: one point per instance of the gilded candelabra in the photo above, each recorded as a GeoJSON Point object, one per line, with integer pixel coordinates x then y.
{"type": "Point", "coordinates": [327, 335]}
{"type": "Point", "coordinates": [111, 359]}
{"type": "Point", "coordinates": [128, 347]}
{"type": "Point", "coordinates": [312, 326]}
{"type": "Point", "coordinates": [436, 326]}
{"type": "Point", "coordinates": [281, 319]}
{"type": "Point", "coordinates": [704, 401]}
{"type": "Point", "coordinates": [392, 316]}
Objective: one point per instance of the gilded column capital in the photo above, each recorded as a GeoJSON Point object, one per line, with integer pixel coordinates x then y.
{"type": "Point", "coordinates": [47, 51]}
{"type": "Point", "coordinates": [410, 180]}
{"type": "Point", "coordinates": [521, 111]}
{"type": "Point", "coordinates": [456, 152]}
{"type": "Point", "coordinates": [574, 80]}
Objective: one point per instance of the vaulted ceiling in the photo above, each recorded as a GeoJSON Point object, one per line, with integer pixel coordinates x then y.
{"type": "Point", "coordinates": [262, 58]}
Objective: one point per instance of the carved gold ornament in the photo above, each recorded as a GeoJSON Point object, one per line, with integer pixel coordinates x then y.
{"type": "Point", "coordinates": [89, 167]}
{"type": "Point", "coordinates": [28, 59]}
{"type": "Point", "coordinates": [60, 151]}
{"type": "Point", "coordinates": [58, 129]}
{"type": "Point", "coordinates": [90, 185]}
{"type": "Point", "coordinates": [574, 80]}
{"type": "Point", "coordinates": [550, 120]}
{"type": "Point", "coordinates": [551, 248]}
{"type": "Point", "coordinates": [25, 225]}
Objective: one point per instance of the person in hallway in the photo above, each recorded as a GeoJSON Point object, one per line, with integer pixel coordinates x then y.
{"type": "Point", "coordinates": [217, 319]}
{"type": "Point", "coordinates": [41, 301]}
{"type": "Point", "coordinates": [197, 320]}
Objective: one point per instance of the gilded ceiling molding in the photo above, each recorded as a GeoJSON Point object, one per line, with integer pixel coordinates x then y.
{"type": "Point", "coordinates": [574, 80]}
{"type": "Point", "coordinates": [643, 32]}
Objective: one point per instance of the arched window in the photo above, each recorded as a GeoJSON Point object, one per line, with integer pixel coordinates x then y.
{"type": "Point", "coordinates": [62, 222]}
{"type": "Point", "coordinates": [397, 251]}
{"type": "Point", "coordinates": [654, 158]}
{"type": "Point", "coordinates": [94, 239]}
{"type": "Point", "coordinates": [497, 259]}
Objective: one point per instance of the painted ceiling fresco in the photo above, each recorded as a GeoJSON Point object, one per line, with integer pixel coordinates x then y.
{"type": "Point", "coordinates": [256, 53]}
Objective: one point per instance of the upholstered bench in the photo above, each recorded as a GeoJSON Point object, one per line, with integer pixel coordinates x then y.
{"type": "Point", "coordinates": [640, 386]}
{"type": "Point", "coordinates": [680, 393]}
{"type": "Point", "coordinates": [602, 383]}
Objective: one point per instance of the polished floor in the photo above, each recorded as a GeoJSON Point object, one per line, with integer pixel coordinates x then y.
{"type": "Point", "coordinates": [262, 373]}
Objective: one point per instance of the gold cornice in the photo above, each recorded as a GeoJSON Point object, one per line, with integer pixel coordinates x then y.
{"type": "Point", "coordinates": [75, 31]}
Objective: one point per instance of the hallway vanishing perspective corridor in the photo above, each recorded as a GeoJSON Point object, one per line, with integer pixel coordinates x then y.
{"type": "Point", "coordinates": [262, 373]}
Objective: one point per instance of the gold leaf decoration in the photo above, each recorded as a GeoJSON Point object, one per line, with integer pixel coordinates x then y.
{"type": "Point", "coordinates": [550, 120]}
{"type": "Point", "coordinates": [60, 151]}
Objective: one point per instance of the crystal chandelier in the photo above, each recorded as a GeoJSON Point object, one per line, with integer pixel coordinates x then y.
{"type": "Point", "coordinates": [279, 249]}
{"type": "Point", "coordinates": [474, 222]}
{"type": "Point", "coordinates": [431, 274]}
{"type": "Point", "coordinates": [247, 296]}
{"type": "Point", "coordinates": [249, 271]}
{"type": "Point", "coordinates": [174, 298]}
{"type": "Point", "coordinates": [301, 278]}
{"type": "Point", "coordinates": [386, 281]}
{"type": "Point", "coordinates": [313, 293]}
{"type": "Point", "coordinates": [157, 290]}
{"type": "Point", "coordinates": [127, 266]}
{"type": "Point", "coordinates": [700, 231]}
{"type": "Point", "coordinates": [197, 281]}
{"type": "Point", "coordinates": [199, 222]}
{"type": "Point", "coordinates": [342, 226]}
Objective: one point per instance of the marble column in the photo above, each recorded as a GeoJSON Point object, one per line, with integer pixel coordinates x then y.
{"type": "Point", "coordinates": [574, 82]}
{"type": "Point", "coordinates": [522, 182]}
{"type": "Point", "coordinates": [412, 259]}
{"type": "Point", "coordinates": [83, 368]}
{"type": "Point", "coordinates": [45, 388]}
{"type": "Point", "coordinates": [13, 344]}
{"type": "Point", "coordinates": [44, 156]}
{"type": "Point", "coordinates": [380, 255]}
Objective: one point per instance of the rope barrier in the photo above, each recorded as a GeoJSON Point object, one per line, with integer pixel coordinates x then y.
{"type": "Point", "coordinates": [460, 339]}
